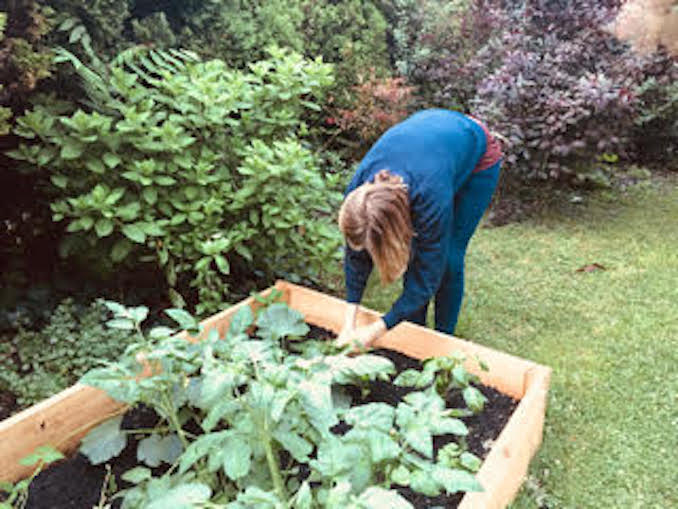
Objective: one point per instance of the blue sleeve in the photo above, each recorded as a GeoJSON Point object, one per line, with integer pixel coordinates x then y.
{"type": "Point", "coordinates": [357, 269]}
{"type": "Point", "coordinates": [427, 266]}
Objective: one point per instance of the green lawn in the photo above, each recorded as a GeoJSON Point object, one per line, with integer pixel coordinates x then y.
{"type": "Point", "coordinates": [611, 337]}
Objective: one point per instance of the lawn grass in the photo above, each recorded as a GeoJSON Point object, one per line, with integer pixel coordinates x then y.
{"type": "Point", "coordinates": [611, 337]}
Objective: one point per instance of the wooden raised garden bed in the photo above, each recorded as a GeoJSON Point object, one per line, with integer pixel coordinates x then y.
{"type": "Point", "coordinates": [65, 418]}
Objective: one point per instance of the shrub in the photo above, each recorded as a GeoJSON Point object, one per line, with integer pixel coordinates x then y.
{"type": "Point", "coordinates": [351, 34]}
{"type": "Point", "coordinates": [36, 364]}
{"type": "Point", "coordinates": [433, 41]}
{"type": "Point", "coordinates": [378, 104]}
{"type": "Point", "coordinates": [192, 165]}
{"type": "Point", "coordinates": [656, 120]}
{"type": "Point", "coordinates": [561, 93]}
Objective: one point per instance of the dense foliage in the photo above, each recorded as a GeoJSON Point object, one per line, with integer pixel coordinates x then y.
{"type": "Point", "coordinates": [265, 406]}
{"type": "Point", "coordinates": [184, 161]}
{"type": "Point", "coordinates": [37, 364]}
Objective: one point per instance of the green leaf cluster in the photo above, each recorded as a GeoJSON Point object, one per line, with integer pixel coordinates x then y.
{"type": "Point", "coordinates": [191, 164]}
{"type": "Point", "coordinates": [37, 364]}
{"type": "Point", "coordinates": [265, 415]}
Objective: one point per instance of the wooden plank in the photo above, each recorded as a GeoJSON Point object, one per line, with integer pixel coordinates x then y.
{"type": "Point", "coordinates": [60, 421]}
{"type": "Point", "coordinates": [504, 469]}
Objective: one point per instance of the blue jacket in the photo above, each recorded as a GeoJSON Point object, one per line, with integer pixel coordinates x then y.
{"type": "Point", "coordinates": [435, 152]}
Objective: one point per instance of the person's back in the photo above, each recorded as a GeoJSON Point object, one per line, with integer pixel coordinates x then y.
{"type": "Point", "coordinates": [431, 147]}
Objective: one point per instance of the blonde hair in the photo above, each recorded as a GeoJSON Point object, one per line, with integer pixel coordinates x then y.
{"type": "Point", "coordinates": [376, 217]}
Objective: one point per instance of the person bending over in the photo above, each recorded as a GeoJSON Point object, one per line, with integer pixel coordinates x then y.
{"type": "Point", "coordinates": [411, 209]}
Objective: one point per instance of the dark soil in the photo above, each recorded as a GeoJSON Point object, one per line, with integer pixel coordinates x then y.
{"type": "Point", "coordinates": [484, 428]}
{"type": "Point", "coordinates": [76, 484]}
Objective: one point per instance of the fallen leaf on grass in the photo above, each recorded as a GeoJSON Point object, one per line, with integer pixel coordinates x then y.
{"type": "Point", "coordinates": [591, 268]}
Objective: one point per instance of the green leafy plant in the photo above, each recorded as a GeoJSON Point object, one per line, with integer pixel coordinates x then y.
{"type": "Point", "coordinates": [266, 416]}
{"type": "Point", "coordinates": [16, 495]}
{"type": "Point", "coordinates": [182, 163]}
{"type": "Point", "coordinates": [446, 374]}
{"type": "Point", "coordinates": [37, 364]}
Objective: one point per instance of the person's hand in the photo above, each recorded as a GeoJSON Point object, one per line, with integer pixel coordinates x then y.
{"type": "Point", "coordinates": [348, 329]}
{"type": "Point", "coordinates": [362, 337]}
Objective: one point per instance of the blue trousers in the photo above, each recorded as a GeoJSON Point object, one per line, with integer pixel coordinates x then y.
{"type": "Point", "coordinates": [470, 203]}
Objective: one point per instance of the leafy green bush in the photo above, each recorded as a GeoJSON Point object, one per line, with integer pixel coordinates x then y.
{"type": "Point", "coordinates": [193, 165]}
{"type": "Point", "coordinates": [36, 364]}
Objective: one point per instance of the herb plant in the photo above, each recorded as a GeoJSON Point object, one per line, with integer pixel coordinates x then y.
{"type": "Point", "coordinates": [244, 422]}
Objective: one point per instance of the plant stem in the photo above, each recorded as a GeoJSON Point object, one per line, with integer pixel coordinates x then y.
{"type": "Point", "coordinates": [174, 421]}
{"type": "Point", "coordinates": [273, 466]}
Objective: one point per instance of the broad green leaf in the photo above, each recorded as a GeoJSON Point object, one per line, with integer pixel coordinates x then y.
{"type": "Point", "coordinates": [150, 195]}
{"type": "Point", "coordinates": [104, 227]}
{"type": "Point", "coordinates": [470, 461]}
{"type": "Point", "coordinates": [95, 166]}
{"type": "Point", "coordinates": [453, 480]}
{"type": "Point", "coordinates": [111, 160]}
{"type": "Point", "coordinates": [256, 498]}
{"type": "Point", "coordinates": [183, 318]}
{"type": "Point", "coordinates": [371, 416]}
{"type": "Point", "coordinates": [419, 438]}
{"type": "Point", "coordinates": [381, 445]}
{"type": "Point", "coordinates": [42, 454]}
{"type": "Point", "coordinates": [347, 370]}
{"type": "Point", "coordinates": [278, 321]}
{"type": "Point", "coordinates": [139, 313]}
{"type": "Point", "coordinates": [120, 250]}
{"type": "Point", "coordinates": [201, 447]}
{"type": "Point", "coordinates": [316, 399]}
{"type": "Point", "coordinates": [217, 384]}
{"type": "Point", "coordinates": [400, 475]}
{"type": "Point", "coordinates": [304, 497]}
{"type": "Point", "coordinates": [222, 264]}
{"type": "Point", "coordinates": [137, 475]}
{"type": "Point", "coordinates": [71, 149]}
{"type": "Point", "coordinates": [414, 378]}
{"type": "Point", "coordinates": [155, 449]}
{"type": "Point", "coordinates": [474, 399]}
{"type": "Point", "coordinates": [444, 425]}
{"type": "Point", "coordinates": [120, 386]}
{"type": "Point", "coordinates": [161, 332]}
{"type": "Point", "coordinates": [129, 211]}
{"type": "Point", "coordinates": [86, 223]}
{"type": "Point", "coordinates": [460, 375]}
{"type": "Point", "coordinates": [237, 464]}
{"type": "Point", "coordinates": [376, 497]}
{"type": "Point", "coordinates": [423, 482]}
{"type": "Point", "coordinates": [134, 233]}
{"type": "Point", "coordinates": [241, 321]}
{"type": "Point", "coordinates": [104, 442]}
{"type": "Point", "coordinates": [60, 181]}
{"type": "Point", "coordinates": [120, 324]}
{"type": "Point", "coordinates": [296, 445]}
{"type": "Point", "coordinates": [279, 404]}
{"type": "Point", "coordinates": [183, 496]}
